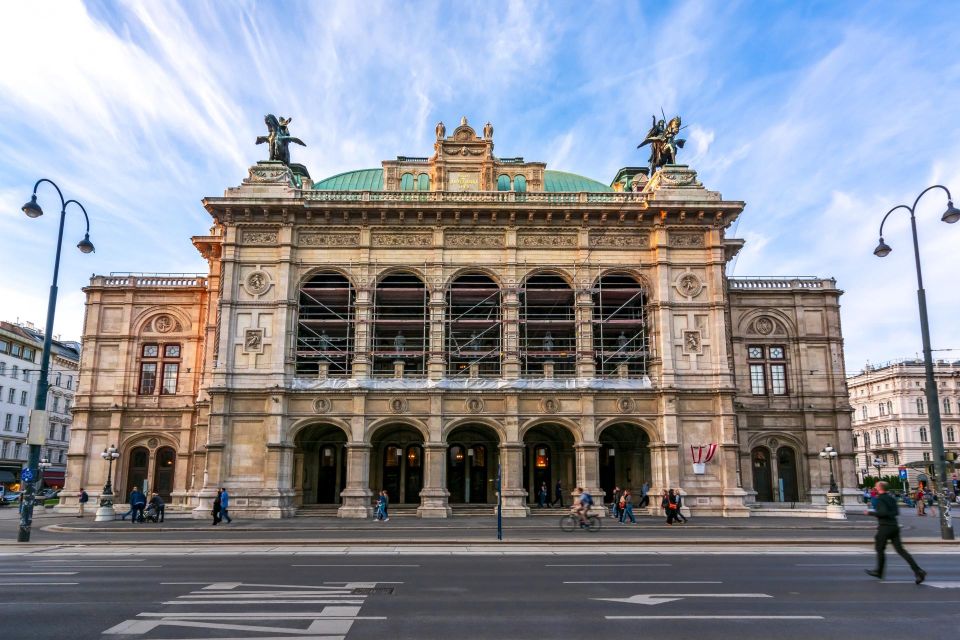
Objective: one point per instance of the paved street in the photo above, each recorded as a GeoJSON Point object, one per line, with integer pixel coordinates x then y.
{"type": "Point", "coordinates": [232, 593]}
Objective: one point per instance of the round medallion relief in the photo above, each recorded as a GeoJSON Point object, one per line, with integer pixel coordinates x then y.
{"type": "Point", "coordinates": [625, 405]}
{"type": "Point", "coordinates": [550, 405]}
{"type": "Point", "coordinates": [153, 443]}
{"type": "Point", "coordinates": [763, 326]}
{"type": "Point", "coordinates": [689, 285]}
{"type": "Point", "coordinates": [474, 405]}
{"type": "Point", "coordinates": [398, 405]}
{"type": "Point", "coordinates": [322, 405]}
{"type": "Point", "coordinates": [163, 324]}
{"type": "Point", "coordinates": [774, 443]}
{"type": "Point", "coordinates": [257, 282]}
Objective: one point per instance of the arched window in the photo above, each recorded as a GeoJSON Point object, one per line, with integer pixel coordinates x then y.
{"type": "Point", "coordinates": [473, 326]}
{"type": "Point", "coordinates": [406, 182]}
{"type": "Point", "coordinates": [946, 406]}
{"type": "Point", "coordinates": [863, 412]}
{"type": "Point", "coordinates": [519, 184]}
{"type": "Point", "coordinates": [400, 325]}
{"type": "Point", "coordinates": [923, 434]}
{"type": "Point", "coordinates": [548, 339]}
{"type": "Point", "coordinates": [920, 409]}
{"type": "Point", "coordinates": [890, 407]}
{"type": "Point", "coordinates": [951, 434]}
{"type": "Point", "coordinates": [423, 182]}
{"type": "Point", "coordinates": [620, 335]}
{"type": "Point", "coordinates": [866, 440]}
{"type": "Point", "coordinates": [886, 436]}
{"type": "Point", "coordinates": [325, 325]}
{"type": "Point", "coordinates": [503, 183]}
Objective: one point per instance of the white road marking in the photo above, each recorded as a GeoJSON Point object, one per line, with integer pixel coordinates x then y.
{"type": "Point", "coordinates": [374, 566]}
{"type": "Point", "coordinates": [612, 566]}
{"type": "Point", "coordinates": [660, 598]}
{"type": "Point", "coordinates": [89, 567]}
{"type": "Point", "coordinates": [683, 617]}
{"type": "Point", "coordinates": [942, 584]}
{"type": "Point", "coordinates": [643, 582]}
{"type": "Point", "coordinates": [308, 615]}
{"type": "Point", "coordinates": [38, 573]}
{"type": "Point", "coordinates": [21, 584]}
{"type": "Point", "coordinates": [259, 601]}
{"type": "Point", "coordinates": [832, 564]}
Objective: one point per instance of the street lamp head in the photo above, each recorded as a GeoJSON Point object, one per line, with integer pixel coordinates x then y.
{"type": "Point", "coordinates": [952, 214]}
{"type": "Point", "coordinates": [32, 209]}
{"type": "Point", "coordinates": [882, 250]}
{"type": "Point", "coordinates": [85, 245]}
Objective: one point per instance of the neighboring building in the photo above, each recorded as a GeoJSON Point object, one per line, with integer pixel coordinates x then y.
{"type": "Point", "coordinates": [890, 419]}
{"type": "Point", "coordinates": [418, 326]}
{"type": "Point", "coordinates": [21, 346]}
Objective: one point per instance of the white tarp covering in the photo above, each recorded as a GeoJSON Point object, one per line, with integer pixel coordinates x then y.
{"type": "Point", "coordinates": [474, 384]}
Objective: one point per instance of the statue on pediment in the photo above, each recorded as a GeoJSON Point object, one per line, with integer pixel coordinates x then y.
{"type": "Point", "coordinates": [278, 138]}
{"type": "Point", "coordinates": [441, 130]}
{"type": "Point", "coordinates": [663, 142]}
{"type": "Point", "coordinates": [488, 131]}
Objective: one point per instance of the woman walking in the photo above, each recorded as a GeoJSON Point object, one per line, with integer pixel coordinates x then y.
{"type": "Point", "coordinates": [626, 510]}
{"type": "Point", "coordinates": [382, 504]}
{"type": "Point", "coordinates": [665, 505]}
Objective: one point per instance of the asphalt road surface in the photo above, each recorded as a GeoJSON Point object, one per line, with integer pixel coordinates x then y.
{"type": "Point", "coordinates": [738, 594]}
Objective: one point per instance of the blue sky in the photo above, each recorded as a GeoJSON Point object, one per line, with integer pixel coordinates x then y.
{"type": "Point", "coordinates": [820, 115]}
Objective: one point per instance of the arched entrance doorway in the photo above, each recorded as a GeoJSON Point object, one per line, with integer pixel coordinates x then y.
{"type": "Point", "coordinates": [138, 468]}
{"type": "Point", "coordinates": [624, 459]}
{"type": "Point", "coordinates": [472, 464]}
{"type": "Point", "coordinates": [760, 461]}
{"type": "Point", "coordinates": [548, 458]}
{"type": "Point", "coordinates": [397, 464]}
{"type": "Point", "coordinates": [320, 467]}
{"type": "Point", "coordinates": [787, 475]}
{"type": "Point", "coordinates": [163, 470]}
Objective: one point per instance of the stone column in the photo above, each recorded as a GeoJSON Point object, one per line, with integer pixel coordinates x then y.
{"type": "Point", "coordinates": [588, 476]}
{"type": "Point", "coordinates": [434, 495]}
{"type": "Point", "coordinates": [436, 362]}
{"type": "Point", "coordinates": [586, 367]}
{"type": "Point", "coordinates": [511, 339]}
{"type": "Point", "coordinates": [356, 497]}
{"type": "Point", "coordinates": [511, 480]}
{"type": "Point", "coordinates": [362, 363]}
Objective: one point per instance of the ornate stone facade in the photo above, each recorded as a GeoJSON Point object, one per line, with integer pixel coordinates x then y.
{"type": "Point", "coordinates": [464, 312]}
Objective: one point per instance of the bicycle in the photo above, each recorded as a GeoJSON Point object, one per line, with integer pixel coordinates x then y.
{"type": "Point", "coordinates": [571, 521]}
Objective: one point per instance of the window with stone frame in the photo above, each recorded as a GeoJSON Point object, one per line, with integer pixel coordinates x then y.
{"type": "Point", "coordinates": [920, 409]}
{"type": "Point", "coordinates": [863, 412]}
{"type": "Point", "coordinates": [159, 368]}
{"type": "Point", "coordinates": [883, 408]}
{"type": "Point", "coordinates": [947, 408]}
{"type": "Point", "coordinates": [951, 434]}
{"type": "Point", "coordinates": [768, 370]}
{"type": "Point", "coordinates": [923, 434]}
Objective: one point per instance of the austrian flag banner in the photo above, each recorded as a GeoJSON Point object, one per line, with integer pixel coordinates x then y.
{"type": "Point", "coordinates": [701, 455]}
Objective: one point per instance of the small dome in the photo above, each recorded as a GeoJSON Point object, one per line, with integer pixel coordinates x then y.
{"type": "Point", "coordinates": [372, 180]}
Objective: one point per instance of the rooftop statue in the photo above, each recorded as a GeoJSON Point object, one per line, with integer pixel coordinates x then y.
{"type": "Point", "coordinates": [663, 142]}
{"type": "Point", "coordinates": [278, 138]}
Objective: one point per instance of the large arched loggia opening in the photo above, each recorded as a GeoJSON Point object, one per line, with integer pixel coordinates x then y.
{"type": "Point", "coordinates": [624, 459]}
{"type": "Point", "coordinates": [400, 325]}
{"type": "Point", "coordinates": [473, 326]}
{"type": "Point", "coordinates": [760, 462]}
{"type": "Point", "coordinates": [397, 464]}
{"type": "Point", "coordinates": [620, 325]}
{"type": "Point", "coordinates": [548, 335]}
{"type": "Point", "coordinates": [325, 325]}
{"type": "Point", "coordinates": [472, 464]}
{"type": "Point", "coordinates": [320, 467]}
{"type": "Point", "coordinates": [549, 457]}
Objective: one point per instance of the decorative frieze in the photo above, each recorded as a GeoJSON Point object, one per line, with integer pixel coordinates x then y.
{"type": "Point", "coordinates": [686, 240]}
{"type": "Point", "coordinates": [458, 239]}
{"type": "Point", "coordinates": [603, 240]}
{"type": "Point", "coordinates": [546, 239]}
{"type": "Point", "coordinates": [318, 239]}
{"type": "Point", "coordinates": [259, 237]}
{"type": "Point", "coordinates": [401, 239]}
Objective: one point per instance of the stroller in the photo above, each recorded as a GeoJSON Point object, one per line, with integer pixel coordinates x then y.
{"type": "Point", "coordinates": [150, 514]}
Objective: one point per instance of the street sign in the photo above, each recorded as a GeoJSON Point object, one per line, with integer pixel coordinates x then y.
{"type": "Point", "coordinates": [903, 473]}
{"type": "Point", "coordinates": [26, 475]}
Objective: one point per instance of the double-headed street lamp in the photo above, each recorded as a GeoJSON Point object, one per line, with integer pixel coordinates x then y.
{"type": "Point", "coordinates": [106, 512]}
{"type": "Point", "coordinates": [878, 463]}
{"type": "Point", "coordinates": [830, 454]}
{"type": "Point", "coordinates": [38, 416]}
{"type": "Point", "coordinates": [950, 216]}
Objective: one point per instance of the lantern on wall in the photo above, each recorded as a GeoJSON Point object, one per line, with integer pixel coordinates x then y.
{"type": "Point", "coordinates": [701, 455]}
{"type": "Point", "coordinates": [542, 459]}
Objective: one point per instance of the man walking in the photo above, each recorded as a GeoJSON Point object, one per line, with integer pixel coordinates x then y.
{"type": "Point", "coordinates": [644, 495]}
{"type": "Point", "coordinates": [84, 499]}
{"type": "Point", "coordinates": [558, 495]}
{"type": "Point", "coordinates": [885, 511]}
{"type": "Point", "coordinates": [224, 505]}
{"type": "Point", "coordinates": [615, 507]}
{"type": "Point", "coordinates": [137, 503]}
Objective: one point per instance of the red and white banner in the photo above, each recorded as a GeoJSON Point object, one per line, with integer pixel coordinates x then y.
{"type": "Point", "coordinates": [703, 453]}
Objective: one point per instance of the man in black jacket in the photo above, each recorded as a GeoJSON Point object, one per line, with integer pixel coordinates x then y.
{"type": "Point", "coordinates": [886, 511]}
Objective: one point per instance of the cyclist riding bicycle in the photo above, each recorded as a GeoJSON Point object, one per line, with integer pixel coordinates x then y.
{"type": "Point", "coordinates": [582, 506]}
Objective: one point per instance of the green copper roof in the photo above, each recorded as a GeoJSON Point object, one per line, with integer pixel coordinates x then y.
{"type": "Point", "coordinates": [372, 180]}
{"type": "Point", "coordinates": [362, 180]}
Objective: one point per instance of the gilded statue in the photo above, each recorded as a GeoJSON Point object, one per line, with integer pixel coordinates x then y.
{"type": "Point", "coordinates": [278, 139]}
{"type": "Point", "coordinates": [663, 142]}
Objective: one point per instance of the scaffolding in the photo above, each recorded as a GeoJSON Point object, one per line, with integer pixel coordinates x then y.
{"type": "Point", "coordinates": [620, 337]}
{"type": "Point", "coordinates": [548, 329]}
{"type": "Point", "coordinates": [401, 315]}
{"type": "Point", "coordinates": [325, 325]}
{"type": "Point", "coordinates": [473, 327]}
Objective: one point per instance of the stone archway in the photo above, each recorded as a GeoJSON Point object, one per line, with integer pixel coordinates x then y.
{"type": "Point", "coordinates": [472, 458]}
{"type": "Point", "coordinates": [549, 457]}
{"type": "Point", "coordinates": [624, 459]}
{"type": "Point", "coordinates": [320, 464]}
{"type": "Point", "coordinates": [397, 463]}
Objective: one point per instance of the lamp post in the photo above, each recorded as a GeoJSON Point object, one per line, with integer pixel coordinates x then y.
{"type": "Point", "coordinates": [829, 453]}
{"type": "Point", "coordinates": [950, 216]}
{"type": "Point", "coordinates": [878, 464]}
{"type": "Point", "coordinates": [38, 416]}
{"type": "Point", "coordinates": [106, 512]}
{"type": "Point", "coordinates": [863, 475]}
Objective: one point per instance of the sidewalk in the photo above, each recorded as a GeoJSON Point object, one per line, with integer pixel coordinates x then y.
{"type": "Point", "coordinates": [406, 529]}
